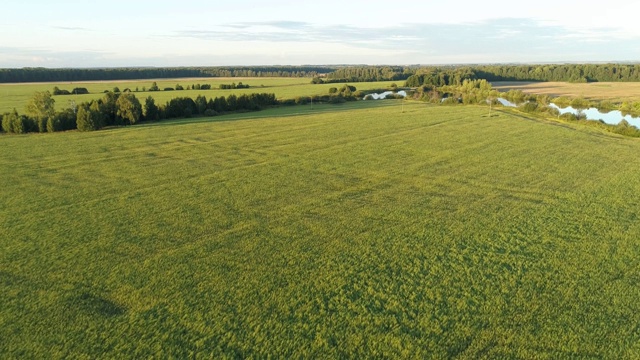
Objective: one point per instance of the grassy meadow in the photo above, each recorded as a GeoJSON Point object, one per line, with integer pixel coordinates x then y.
{"type": "Point", "coordinates": [17, 95]}
{"type": "Point", "coordinates": [353, 230]}
{"type": "Point", "coordinates": [612, 91]}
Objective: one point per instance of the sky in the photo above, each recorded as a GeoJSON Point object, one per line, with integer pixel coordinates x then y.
{"type": "Point", "coordinates": [117, 33]}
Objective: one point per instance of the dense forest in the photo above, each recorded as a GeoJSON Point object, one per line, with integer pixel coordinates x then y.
{"type": "Point", "coordinates": [455, 75]}
{"type": "Point", "coordinates": [429, 75]}
{"type": "Point", "coordinates": [368, 73]}
{"type": "Point", "coordinates": [568, 72]}
{"type": "Point", "coordinates": [69, 74]}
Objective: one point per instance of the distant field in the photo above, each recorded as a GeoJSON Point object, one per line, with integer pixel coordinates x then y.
{"type": "Point", "coordinates": [17, 95]}
{"type": "Point", "coordinates": [612, 91]}
{"type": "Point", "coordinates": [347, 231]}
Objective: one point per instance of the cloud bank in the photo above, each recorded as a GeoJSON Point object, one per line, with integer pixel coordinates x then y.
{"type": "Point", "coordinates": [297, 42]}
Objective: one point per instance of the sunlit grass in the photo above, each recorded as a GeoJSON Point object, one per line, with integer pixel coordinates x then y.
{"type": "Point", "coordinates": [367, 232]}
{"type": "Point", "coordinates": [17, 95]}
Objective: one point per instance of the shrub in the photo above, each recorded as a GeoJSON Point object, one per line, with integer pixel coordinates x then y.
{"type": "Point", "coordinates": [287, 102]}
{"type": "Point", "coordinates": [80, 91]}
{"type": "Point", "coordinates": [57, 91]}
{"type": "Point", "coordinates": [530, 107]}
{"type": "Point", "coordinates": [13, 123]}
{"type": "Point", "coordinates": [337, 99]}
{"type": "Point", "coordinates": [347, 89]}
{"type": "Point", "coordinates": [301, 100]}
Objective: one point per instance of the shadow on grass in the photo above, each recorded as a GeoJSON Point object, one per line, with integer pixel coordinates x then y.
{"type": "Point", "coordinates": [89, 303]}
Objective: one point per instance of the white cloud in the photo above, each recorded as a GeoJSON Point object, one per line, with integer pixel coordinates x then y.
{"type": "Point", "coordinates": [202, 32]}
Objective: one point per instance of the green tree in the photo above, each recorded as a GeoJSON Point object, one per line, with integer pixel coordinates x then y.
{"type": "Point", "coordinates": [13, 123]}
{"type": "Point", "coordinates": [580, 103]}
{"type": "Point", "coordinates": [61, 121]}
{"type": "Point", "coordinates": [220, 104]}
{"type": "Point", "coordinates": [201, 104]}
{"type": "Point", "coordinates": [41, 107]}
{"type": "Point", "coordinates": [413, 81]}
{"type": "Point", "coordinates": [108, 108]}
{"type": "Point", "coordinates": [232, 102]}
{"type": "Point", "coordinates": [89, 118]}
{"type": "Point", "coordinates": [128, 108]}
{"type": "Point", "coordinates": [150, 109]}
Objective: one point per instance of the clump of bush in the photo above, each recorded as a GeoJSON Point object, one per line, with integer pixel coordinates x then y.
{"type": "Point", "coordinates": [75, 91]}
{"type": "Point", "coordinates": [233, 86]}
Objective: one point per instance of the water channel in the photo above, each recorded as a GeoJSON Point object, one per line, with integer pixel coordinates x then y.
{"type": "Point", "coordinates": [384, 95]}
{"type": "Point", "coordinates": [611, 117]}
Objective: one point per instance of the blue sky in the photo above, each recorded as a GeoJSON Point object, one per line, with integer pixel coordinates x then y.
{"type": "Point", "coordinates": [85, 33]}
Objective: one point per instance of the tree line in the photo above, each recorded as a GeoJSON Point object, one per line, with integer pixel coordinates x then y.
{"type": "Point", "coordinates": [566, 72]}
{"type": "Point", "coordinates": [99, 74]}
{"type": "Point", "coordinates": [123, 109]}
{"type": "Point", "coordinates": [455, 75]}
{"type": "Point", "coordinates": [153, 87]}
{"type": "Point", "coordinates": [366, 74]}
{"type": "Point", "coordinates": [569, 73]}
{"type": "Point", "coordinates": [337, 74]}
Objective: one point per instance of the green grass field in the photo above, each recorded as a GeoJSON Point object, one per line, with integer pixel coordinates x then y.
{"type": "Point", "coordinates": [17, 95]}
{"type": "Point", "coordinates": [347, 231]}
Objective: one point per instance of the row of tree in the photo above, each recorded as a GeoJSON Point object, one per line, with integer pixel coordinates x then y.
{"type": "Point", "coordinates": [331, 74]}
{"type": "Point", "coordinates": [239, 85]}
{"type": "Point", "coordinates": [153, 87]}
{"type": "Point", "coordinates": [566, 72]}
{"type": "Point", "coordinates": [123, 109]}
{"type": "Point", "coordinates": [455, 75]}
{"type": "Point", "coordinates": [366, 74]}
{"type": "Point", "coordinates": [75, 91]}
{"type": "Point", "coordinates": [51, 75]}
{"type": "Point", "coordinates": [441, 76]}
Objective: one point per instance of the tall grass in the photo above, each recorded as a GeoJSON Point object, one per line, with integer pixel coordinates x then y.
{"type": "Point", "coordinates": [433, 233]}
